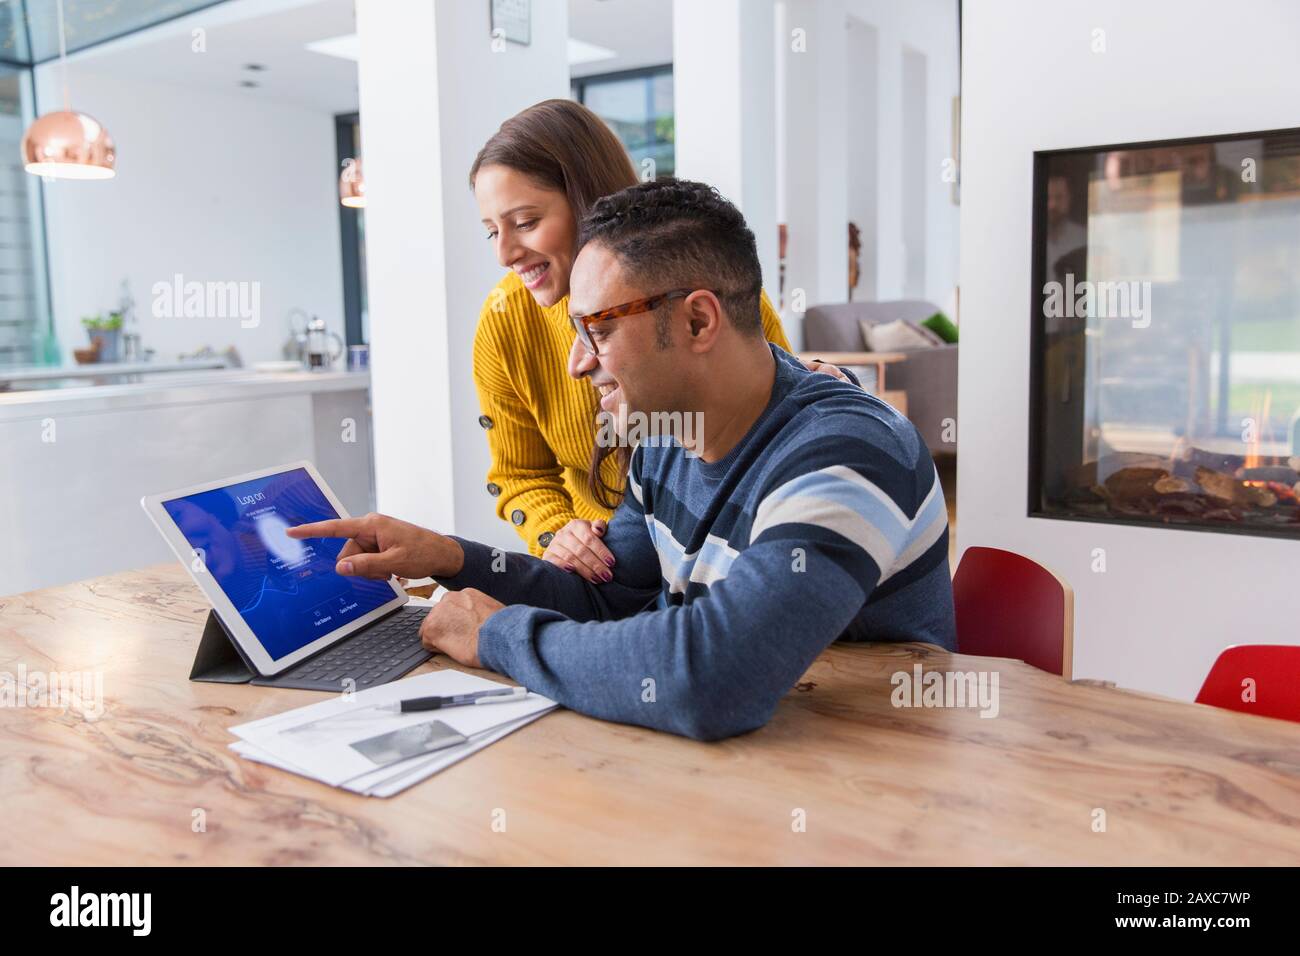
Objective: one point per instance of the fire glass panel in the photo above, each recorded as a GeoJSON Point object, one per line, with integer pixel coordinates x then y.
{"type": "Point", "coordinates": [1167, 353]}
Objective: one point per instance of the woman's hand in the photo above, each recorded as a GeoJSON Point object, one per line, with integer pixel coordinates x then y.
{"type": "Point", "coordinates": [578, 549]}
{"type": "Point", "coordinates": [834, 371]}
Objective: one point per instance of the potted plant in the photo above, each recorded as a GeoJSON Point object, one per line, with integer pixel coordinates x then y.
{"type": "Point", "coordinates": [105, 333]}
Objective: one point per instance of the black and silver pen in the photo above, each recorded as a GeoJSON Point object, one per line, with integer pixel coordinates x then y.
{"type": "Point", "coordinates": [414, 704]}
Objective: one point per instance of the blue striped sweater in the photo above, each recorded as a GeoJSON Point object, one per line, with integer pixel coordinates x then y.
{"type": "Point", "coordinates": [826, 521]}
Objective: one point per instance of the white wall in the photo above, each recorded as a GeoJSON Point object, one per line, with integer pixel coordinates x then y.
{"type": "Point", "coordinates": [214, 186]}
{"type": "Point", "coordinates": [724, 96]}
{"type": "Point", "coordinates": [638, 32]}
{"type": "Point", "coordinates": [432, 92]}
{"type": "Point", "coordinates": [876, 98]}
{"type": "Point", "coordinates": [812, 43]}
{"type": "Point", "coordinates": [862, 132]}
{"type": "Point", "coordinates": [1169, 600]}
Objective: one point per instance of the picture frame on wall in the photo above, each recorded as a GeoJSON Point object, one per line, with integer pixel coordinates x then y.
{"type": "Point", "coordinates": [514, 20]}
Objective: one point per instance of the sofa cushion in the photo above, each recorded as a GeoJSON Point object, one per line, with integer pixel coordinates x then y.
{"type": "Point", "coordinates": [897, 336]}
{"type": "Point", "coordinates": [942, 326]}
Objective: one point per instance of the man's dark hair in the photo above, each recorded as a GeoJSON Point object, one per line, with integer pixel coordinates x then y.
{"type": "Point", "coordinates": [678, 234]}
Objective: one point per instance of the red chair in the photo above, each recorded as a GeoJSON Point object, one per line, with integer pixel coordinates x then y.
{"type": "Point", "coordinates": [1010, 606]}
{"type": "Point", "coordinates": [1274, 673]}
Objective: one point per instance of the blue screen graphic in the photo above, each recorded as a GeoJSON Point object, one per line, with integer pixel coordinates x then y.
{"type": "Point", "coordinates": [285, 589]}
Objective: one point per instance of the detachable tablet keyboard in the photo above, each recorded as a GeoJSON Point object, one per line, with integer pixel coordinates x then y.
{"type": "Point", "coordinates": [383, 651]}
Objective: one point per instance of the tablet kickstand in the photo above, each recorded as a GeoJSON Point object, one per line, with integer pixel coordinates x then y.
{"type": "Point", "coordinates": [218, 659]}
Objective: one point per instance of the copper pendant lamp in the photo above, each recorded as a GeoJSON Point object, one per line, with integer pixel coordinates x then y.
{"type": "Point", "coordinates": [67, 144]}
{"type": "Point", "coordinates": [352, 185]}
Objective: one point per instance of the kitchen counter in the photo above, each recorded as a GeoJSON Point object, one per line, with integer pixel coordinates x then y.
{"type": "Point", "coordinates": [22, 374]}
{"type": "Point", "coordinates": [177, 387]}
{"type": "Point", "coordinates": [77, 460]}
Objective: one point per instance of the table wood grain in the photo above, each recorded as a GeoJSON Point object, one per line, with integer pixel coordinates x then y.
{"type": "Point", "coordinates": [873, 784]}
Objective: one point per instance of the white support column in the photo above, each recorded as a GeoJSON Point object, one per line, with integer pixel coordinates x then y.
{"type": "Point", "coordinates": [812, 45]}
{"type": "Point", "coordinates": [434, 86]}
{"type": "Point", "coordinates": [862, 62]}
{"type": "Point", "coordinates": [724, 97]}
{"type": "Point", "coordinates": [891, 252]}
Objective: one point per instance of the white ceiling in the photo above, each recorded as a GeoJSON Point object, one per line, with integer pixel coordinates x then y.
{"type": "Point", "coordinates": [274, 34]}
{"type": "Point", "coordinates": [640, 32]}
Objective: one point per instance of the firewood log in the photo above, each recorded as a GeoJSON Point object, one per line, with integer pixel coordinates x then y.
{"type": "Point", "coordinates": [1217, 484]}
{"type": "Point", "coordinates": [1215, 461]}
{"type": "Point", "coordinates": [1135, 483]}
{"type": "Point", "coordinates": [1169, 485]}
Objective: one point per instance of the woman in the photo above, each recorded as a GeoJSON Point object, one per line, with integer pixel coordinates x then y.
{"type": "Point", "coordinates": [534, 180]}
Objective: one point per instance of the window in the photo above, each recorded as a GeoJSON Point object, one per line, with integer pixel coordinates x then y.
{"type": "Point", "coordinates": [29, 35]}
{"type": "Point", "coordinates": [638, 106]}
{"type": "Point", "coordinates": [26, 332]}
{"type": "Point", "coordinates": [352, 229]}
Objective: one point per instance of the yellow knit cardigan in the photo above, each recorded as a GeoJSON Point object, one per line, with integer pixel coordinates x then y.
{"type": "Point", "coordinates": [540, 423]}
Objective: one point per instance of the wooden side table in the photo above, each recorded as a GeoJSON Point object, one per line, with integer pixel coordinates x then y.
{"type": "Point", "coordinates": [880, 360]}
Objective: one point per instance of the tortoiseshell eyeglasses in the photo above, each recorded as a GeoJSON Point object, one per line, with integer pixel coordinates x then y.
{"type": "Point", "coordinates": [582, 323]}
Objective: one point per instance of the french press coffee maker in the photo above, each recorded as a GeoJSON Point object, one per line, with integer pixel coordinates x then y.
{"type": "Point", "coordinates": [322, 347]}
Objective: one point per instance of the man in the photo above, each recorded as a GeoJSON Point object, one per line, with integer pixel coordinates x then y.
{"type": "Point", "coordinates": [804, 510]}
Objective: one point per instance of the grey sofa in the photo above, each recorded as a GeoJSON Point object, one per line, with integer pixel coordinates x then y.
{"type": "Point", "coordinates": [929, 376]}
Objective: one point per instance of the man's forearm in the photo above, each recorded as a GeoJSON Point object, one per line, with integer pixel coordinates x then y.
{"type": "Point", "coordinates": [513, 578]}
{"type": "Point", "coordinates": [708, 669]}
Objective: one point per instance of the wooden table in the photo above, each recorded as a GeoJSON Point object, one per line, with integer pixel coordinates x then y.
{"type": "Point", "coordinates": [1179, 783]}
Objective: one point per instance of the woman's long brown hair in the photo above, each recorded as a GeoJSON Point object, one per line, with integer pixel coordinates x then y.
{"type": "Point", "coordinates": [562, 145]}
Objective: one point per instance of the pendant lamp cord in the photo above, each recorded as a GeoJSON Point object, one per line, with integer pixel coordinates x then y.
{"type": "Point", "coordinates": [63, 58]}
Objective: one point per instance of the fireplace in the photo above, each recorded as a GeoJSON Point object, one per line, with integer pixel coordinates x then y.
{"type": "Point", "coordinates": [1165, 384]}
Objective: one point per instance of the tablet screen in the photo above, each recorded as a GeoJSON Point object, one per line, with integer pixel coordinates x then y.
{"type": "Point", "coordinates": [286, 590]}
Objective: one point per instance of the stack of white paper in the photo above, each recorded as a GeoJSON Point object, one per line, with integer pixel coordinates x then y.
{"type": "Point", "coordinates": [334, 741]}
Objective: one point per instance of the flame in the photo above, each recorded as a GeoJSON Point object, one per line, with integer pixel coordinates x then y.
{"type": "Point", "coordinates": [1260, 413]}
